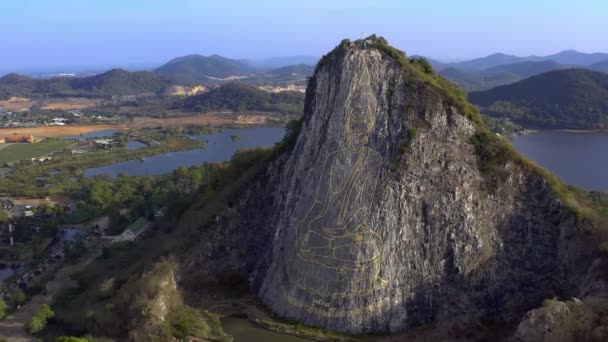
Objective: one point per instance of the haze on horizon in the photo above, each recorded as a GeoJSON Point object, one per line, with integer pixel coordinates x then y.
{"type": "Point", "coordinates": [40, 35]}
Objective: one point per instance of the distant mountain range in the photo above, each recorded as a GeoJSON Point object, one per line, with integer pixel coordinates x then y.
{"type": "Point", "coordinates": [499, 69]}
{"type": "Point", "coordinates": [473, 75]}
{"type": "Point", "coordinates": [197, 69]}
{"type": "Point", "coordinates": [498, 75]}
{"type": "Point", "coordinates": [113, 82]}
{"type": "Point", "coordinates": [569, 98]}
{"type": "Point", "coordinates": [187, 70]}
{"type": "Point", "coordinates": [278, 62]}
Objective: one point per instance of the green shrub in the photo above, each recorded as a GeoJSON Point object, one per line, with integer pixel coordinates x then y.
{"type": "Point", "coordinates": [185, 323]}
{"type": "Point", "coordinates": [423, 65]}
{"type": "Point", "coordinates": [40, 319]}
{"type": "Point", "coordinates": [70, 339]}
{"type": "Point", "coordinates": [3, 308]}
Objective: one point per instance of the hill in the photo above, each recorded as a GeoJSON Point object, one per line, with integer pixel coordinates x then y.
{"type": "Point", "coordinates": [489, 61]}
{"type": "Point", "coordinates": [474, 80]}
{"type": "Point", "coordinates": [600, 66]}
{"type": "Point", "coordinates": [113, 82]}
{"type": "Point", "coordinates": [196, 69]}
{"type": "Point", "coordinates": [362, 224]}
{"type": "Point", "coordinates": [296, 72]}
{"type": "Point", "coordinates": [573, 57]}
{"type": "Point", "coordinates": [241, 97]}
{"type": "Point", "coordinates": [571, 98]}
{"type": "Point", "coordinates": [119, 82]}
{"type": "Point", "coordinates": [279, 62]}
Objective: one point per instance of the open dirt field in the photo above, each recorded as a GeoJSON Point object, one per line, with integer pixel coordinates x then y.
{"type": "Point", "coordinates": [70, 103]}
{"type": "Point", "coordinates": [215, 119]}
{"type": "Point", "coordinates": [21, 104]}
{"type": "Point", "coordinates": [56, 131]}
{"type": "Point", "coordinates": [16, 104]}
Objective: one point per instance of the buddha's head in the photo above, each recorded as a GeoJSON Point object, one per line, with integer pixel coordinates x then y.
{"type": "Point", "coordinates": [360, 118]}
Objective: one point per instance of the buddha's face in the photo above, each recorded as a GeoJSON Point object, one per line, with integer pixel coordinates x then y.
{"type": "Point", "coordinates": [360, 119]}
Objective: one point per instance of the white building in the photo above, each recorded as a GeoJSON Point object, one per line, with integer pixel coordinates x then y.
{"type": "Point", "coordinates": [132, 232]}
{"type": "Point", "coordinates": [58, 121]}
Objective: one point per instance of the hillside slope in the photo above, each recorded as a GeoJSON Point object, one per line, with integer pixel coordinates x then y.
{"type": "Point", "coordinates": [241, 97]}
{"type": "Point", "coordinates": [572, 98]}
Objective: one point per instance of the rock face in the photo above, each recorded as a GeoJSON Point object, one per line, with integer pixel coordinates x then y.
{"type": "Point", "coordinates": [381, 217]}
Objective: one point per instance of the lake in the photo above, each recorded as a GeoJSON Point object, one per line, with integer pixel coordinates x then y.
{"type": "Point", "coordinates": [243, 330]}
{"type": "Point", "coordinates": [219, 147]}
{"type": "Point", "coordinates": [579, 159]}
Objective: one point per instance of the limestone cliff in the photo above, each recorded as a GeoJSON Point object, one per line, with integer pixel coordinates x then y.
{"type": "Point", "coordinates": [385, 215]}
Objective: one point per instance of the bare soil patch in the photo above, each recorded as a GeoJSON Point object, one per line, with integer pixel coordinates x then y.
{"type": "Point", "coordinates": [56, 131]}
{"type": "Point", "coordinates": [214, 119]}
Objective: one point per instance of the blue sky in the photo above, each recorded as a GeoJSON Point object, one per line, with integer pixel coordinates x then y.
{"type": "Point", "coordinates": [46, 34]}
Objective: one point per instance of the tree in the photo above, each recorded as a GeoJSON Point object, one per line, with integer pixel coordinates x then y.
{"type": "Point", "coordinates": [101, 193]}
{"type": "Point", "coordinates": [4, 216]}
{"type": "Point", "coordinates": [40, 319]}
{"type": "Point", "coordinates": [35, 325]}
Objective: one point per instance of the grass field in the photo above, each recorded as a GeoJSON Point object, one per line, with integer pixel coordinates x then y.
{"type": "Point", "coordinates": [24, 151]}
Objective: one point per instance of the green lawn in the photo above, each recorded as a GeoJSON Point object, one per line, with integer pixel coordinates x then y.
{"type": "Point", "coordinates": [23, 151]}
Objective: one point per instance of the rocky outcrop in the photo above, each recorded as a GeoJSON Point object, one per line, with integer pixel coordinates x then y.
{"type": "Point", "coordinates": [556, 321]}
{"type": "Point", "coordinates": [383, 217]}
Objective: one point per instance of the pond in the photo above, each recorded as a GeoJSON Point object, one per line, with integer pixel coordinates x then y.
{"type": "Point", "coordinates": [244, 331]}
{"type": "Point", "coordinates": [579, 159]}
{"type": "Point", "coordinates": [97, 134]}
{"type": "Point", "coordinates": [219, 147]}
{"type": "Point", "coordinates": [68, 234]}
{"type": "Point", "coordinates": [7, 272]}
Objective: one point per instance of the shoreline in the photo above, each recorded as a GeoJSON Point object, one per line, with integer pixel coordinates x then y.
{"type": "Point", "coordinates": [568, 130]}
{"type": "Point", "coordinates": [527, 131]}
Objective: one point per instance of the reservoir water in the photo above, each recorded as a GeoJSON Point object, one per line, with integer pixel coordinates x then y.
{"type": "Point", "coordinates": [219, 147]}
{"type": "Point", "coordinates": [579, 159]}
